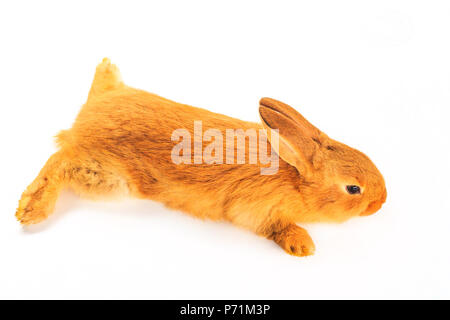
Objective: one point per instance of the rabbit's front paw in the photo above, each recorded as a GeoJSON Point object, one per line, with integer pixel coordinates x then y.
{"type": "Point", "coordinates": [295, 241]}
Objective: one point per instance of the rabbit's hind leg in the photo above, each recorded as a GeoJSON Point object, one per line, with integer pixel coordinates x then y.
{"type": "Point", "coordinates": [93, 179]}
{"type": "Point", "coordinates": [107, 78]}
{"type": "Point", "coordinates": [85, 175]}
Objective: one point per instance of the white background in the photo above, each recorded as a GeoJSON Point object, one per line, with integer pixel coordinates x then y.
{"type": "Point", "coordinates": [372, 74]}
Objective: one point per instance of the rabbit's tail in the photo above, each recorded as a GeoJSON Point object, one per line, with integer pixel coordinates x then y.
{"type": "Point", "coordinates": [107, 77]}
{"type": "Point", "coordinates": [63, 139]}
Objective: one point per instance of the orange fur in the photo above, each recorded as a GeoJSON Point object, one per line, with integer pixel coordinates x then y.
{"type": "Point", "coordinates": [121, 143]}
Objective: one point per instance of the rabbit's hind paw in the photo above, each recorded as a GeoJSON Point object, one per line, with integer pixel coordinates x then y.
{"type": "Point", "coordinates": [37, 203]}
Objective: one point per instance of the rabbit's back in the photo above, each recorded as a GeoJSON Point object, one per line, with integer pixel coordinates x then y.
{"type": "Point", "coordinates": [131, 131]}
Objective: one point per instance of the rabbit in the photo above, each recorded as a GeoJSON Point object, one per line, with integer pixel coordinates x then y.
{"type": "Point", "coordinates": [121, 144]}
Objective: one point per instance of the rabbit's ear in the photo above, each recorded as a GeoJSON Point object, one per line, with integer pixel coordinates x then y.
{"type": "Point", "coordinates": [298, 139]}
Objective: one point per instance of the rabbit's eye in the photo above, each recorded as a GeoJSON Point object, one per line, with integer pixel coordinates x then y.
{"type": "Point", "coordinates": [353, 189]}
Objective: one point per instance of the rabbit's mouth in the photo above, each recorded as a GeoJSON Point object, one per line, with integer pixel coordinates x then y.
{"type": "Point", "coordinates": [374, 206]}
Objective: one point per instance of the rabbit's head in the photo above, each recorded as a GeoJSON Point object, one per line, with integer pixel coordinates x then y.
{"type": "Point", "coordinates": [336, 182]}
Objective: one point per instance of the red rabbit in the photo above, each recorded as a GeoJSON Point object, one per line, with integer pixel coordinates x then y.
{"type": "Point", "coordinates": [121, 143]}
